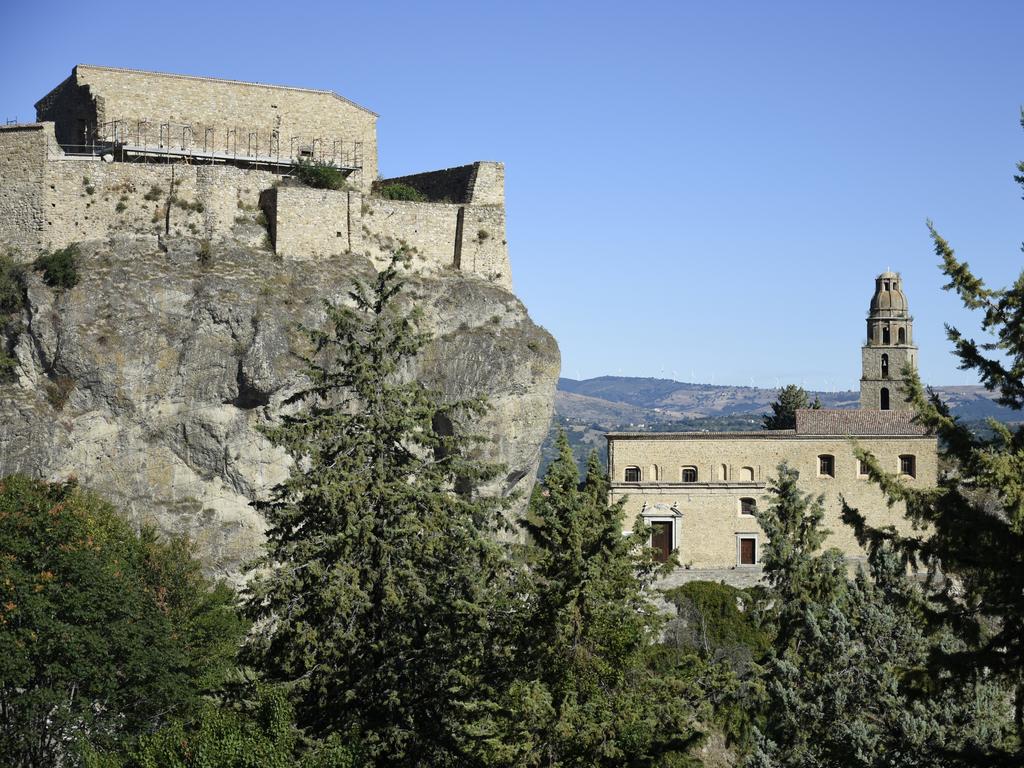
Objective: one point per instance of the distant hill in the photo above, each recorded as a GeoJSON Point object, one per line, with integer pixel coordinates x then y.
{"type": "Point", "coordinates": [588, 408]}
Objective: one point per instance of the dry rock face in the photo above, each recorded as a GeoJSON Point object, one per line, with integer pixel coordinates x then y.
{"type": "Point", "coordinates": [148, 381]}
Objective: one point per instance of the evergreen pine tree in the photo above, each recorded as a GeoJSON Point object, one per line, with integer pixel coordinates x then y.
{"type": "Point", "coordinates": [783, 415]}
{"type": "Point", "coordinates": [586, 694]}
{"type": "Point", "coordinates": [971, 528]}
{"type": "Point", "coordinates": [837, 691]}
{"type": "Point", "coordinates": [377, 593]}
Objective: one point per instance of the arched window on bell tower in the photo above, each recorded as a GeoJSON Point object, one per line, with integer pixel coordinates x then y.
{"type": "Point", "coordinates": [884, 399]}
{"type": "Point", "coordinates": [885, 334]}
{"type": "Point", "coordinates": [885, 366]}
{"type": "Point", "coordinates": [901, 336]}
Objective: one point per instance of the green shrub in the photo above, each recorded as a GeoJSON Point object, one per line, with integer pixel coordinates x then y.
{"type": "Point", "coordinates": [58, 391]}
{"type": "Point", "coordinates": [155, 193]}
{"type": "Point", "coordinates": [105, 633]}
{"type": "Point", "coordinates": [715, 620]}
{"type": "Point", "coordinates": [121, 206]}
{"type": "Point", "coordinates": [90, 190]}
{"type": "Point", "coordinates": [399, 191]}
{"type": "Point", "coordinates": [319, 175]}
{"type": "Point", "coordinates": [187, 205]}
{"type": "Point", "coordinates": [12, 290]}
{"type": "Point", "coordinates": [59, 268]}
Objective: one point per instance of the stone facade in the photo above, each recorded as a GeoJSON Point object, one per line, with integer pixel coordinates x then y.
{"type": "Point", "coordinates": [226, 116]}
{"type": "Point", "coordinates": [479, 184]}
{"type": "Point", "coordinates": [707, 515]}
{"type": "Point", "coordinates": [52, 194]}
{"type": "Point", "coordinates": [50, 200]}
{"type": "Point", "coordinates": [889, 346]}
{"type": "Point", "coordinates": [698, 489]}
{"type": "Point", "coordinates": [465, 236]}
{"type": "Point", "coordinates": [23, 152]}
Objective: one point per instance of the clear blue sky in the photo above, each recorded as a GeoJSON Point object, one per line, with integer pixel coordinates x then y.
{"type": "Point", "coordinates": [695, 190]}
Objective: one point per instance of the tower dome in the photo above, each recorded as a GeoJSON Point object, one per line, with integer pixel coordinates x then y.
{"type": "Point", "coordinates": [888, 299]}
{"type": "Point", "coordinates": [889, 347]}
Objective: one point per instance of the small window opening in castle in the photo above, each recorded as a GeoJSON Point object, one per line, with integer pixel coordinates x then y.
{"type": "Point", "coordinates": [862, 468]}
{"type": "Point", "coordinates": [827, 465]}
{"type": "Point", "coordinates": [884, 399]}
{"type": "Point", "coordinates": [689, 474]}
{"type": "Point", "coordinates": [748, 506]}
{"type": "Point", "coordinates": [908, 465]}
{"type": "Point", "coordinates": [632, 474]}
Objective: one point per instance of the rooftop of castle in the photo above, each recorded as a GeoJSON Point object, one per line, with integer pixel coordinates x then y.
{"type": "Point", "coordinates": [227, 81]}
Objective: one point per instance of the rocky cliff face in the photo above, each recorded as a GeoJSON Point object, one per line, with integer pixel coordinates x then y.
{"type": "Point", "coordinates": [149, 379]}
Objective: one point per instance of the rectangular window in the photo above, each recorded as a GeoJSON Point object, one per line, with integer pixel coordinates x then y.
{"type": "Point", "coordinates": [748, 550]}
{"type": "Point", "coordinates": [827, 465]}
{"type": "Point", "coordinates": [632, 474]}
{"type": "Point", "coordinates": [908, 466]}
{"type": "Point", "coordinates": [862, 468]}
{"type": "Point", "coordinates": [748, 506]}
{"type": "Point", "coordinates": [689, 474]}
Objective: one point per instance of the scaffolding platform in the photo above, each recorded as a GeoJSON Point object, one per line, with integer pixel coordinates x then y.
{"type": "Point", "coordinates": [149, 139]}
{"type": "Point", "coordinates": [201, 156]}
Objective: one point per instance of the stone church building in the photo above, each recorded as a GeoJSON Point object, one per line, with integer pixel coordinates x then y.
{"type": "Point", "coordinates": [699, 490]}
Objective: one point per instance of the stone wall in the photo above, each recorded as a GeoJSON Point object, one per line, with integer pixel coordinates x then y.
{"type": "Point", "coordinates": [449, 185]}
{"type": "Point", "coordinates": [307, 224]}
{"type": "Point", "coordinates": [488, 184]}
{"type": "Point", "coordinates": [86, 199]}
{"type": "Point", "coordinates": [479, 183]}
{"type": "Point", "coordinates": [23, 151]}
{"type": "Point", "coordinates": [711, 516]}
{"type": "Point", "coordinates": [97, 95]}
{"type": "Point", "coordinates": [50, 200]}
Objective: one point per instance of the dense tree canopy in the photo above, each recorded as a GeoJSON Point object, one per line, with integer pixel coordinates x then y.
{"type": "Point", "coordinates": [104, 634]}
{"type": "Point", "coordinates": [971, 528]}
{"type": "Point", "coordinates": [586, 691]}
{"type": "Point", "coordinates": [839, 683]}
{"type": "Point", "coordinates": [378, 588]}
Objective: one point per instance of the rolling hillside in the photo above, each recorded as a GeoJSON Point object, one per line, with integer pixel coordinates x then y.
{"type": "Point", "coordinates": [588, 408]}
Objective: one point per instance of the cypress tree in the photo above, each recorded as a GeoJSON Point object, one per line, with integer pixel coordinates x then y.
{"type": "Point", "coordinates": [378, 588]}
{"type": "Point", "coordinates": [586, 693]}
{"type": "Point", "coordinates": [783, 415]}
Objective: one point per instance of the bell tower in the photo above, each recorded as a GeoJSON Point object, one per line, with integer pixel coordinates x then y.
{"type": "Point", "coordinates": [889, 347]}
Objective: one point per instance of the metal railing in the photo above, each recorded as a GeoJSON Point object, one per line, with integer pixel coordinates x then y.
{"type": "Point", "coordinates": [203, 143]}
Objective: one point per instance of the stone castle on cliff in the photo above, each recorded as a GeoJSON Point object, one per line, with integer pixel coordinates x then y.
{"type": "Point", "coordinates": [120, 150]}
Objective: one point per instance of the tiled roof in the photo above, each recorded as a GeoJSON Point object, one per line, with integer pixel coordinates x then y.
{"type": "Point", "coordinates": [833, 421]}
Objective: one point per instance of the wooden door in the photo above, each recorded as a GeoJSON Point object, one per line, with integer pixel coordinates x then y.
{"type": "Point", "coordinates": [748, 552]}
{"type": "Point", "coordinates": [661, 539]}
